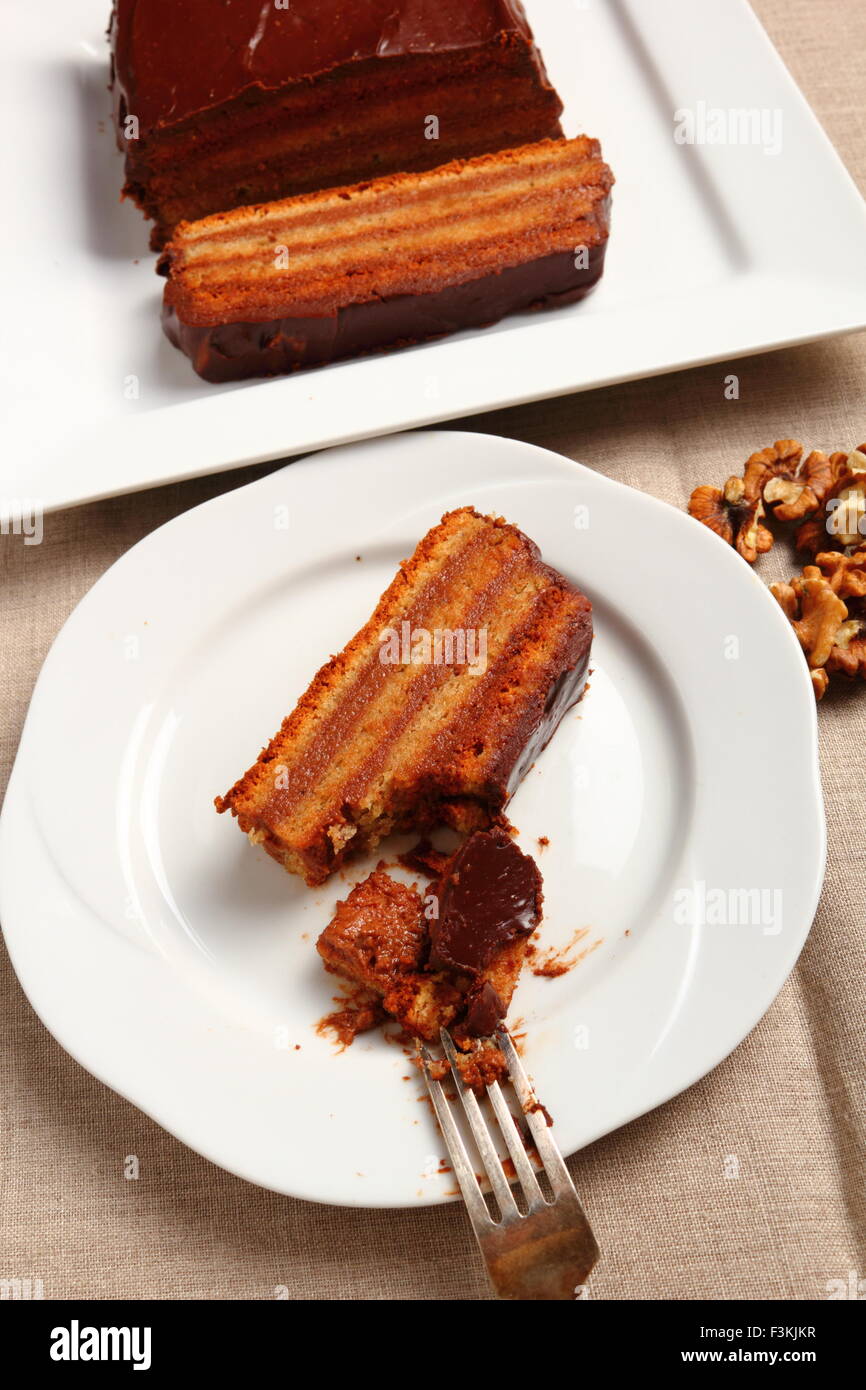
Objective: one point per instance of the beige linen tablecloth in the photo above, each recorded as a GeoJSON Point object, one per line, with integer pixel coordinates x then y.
{"type": "Point", "coordinates": [790, 1103]}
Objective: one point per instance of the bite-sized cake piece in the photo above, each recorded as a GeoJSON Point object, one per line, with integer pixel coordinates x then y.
{"type": "Point", "coordinates": [453, 960]}
{"type": "Point", "coordinates": [424, 858]}
{"type": "Point", "coordinates": [433, 712]}
{"type": "Point", "coordinates": [378, 938]}
{"type": "Point", "coordinates": [236, 101]}
{"type": "Point", "coordinates": [268, 289]}
{"type": "Point", "coordinates": [378, 935]}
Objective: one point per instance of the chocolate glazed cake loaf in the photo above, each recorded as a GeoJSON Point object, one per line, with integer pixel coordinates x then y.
{"type": "Point", "coordinates": [433, 712]}
{"type": "Point", "coordinates": [264, 290]}
{"type": "Point", "coordinates": [236, 101]}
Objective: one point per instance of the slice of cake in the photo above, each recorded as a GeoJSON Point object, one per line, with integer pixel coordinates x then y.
{"type": "Point", "coordinates": [451, 960]}
{"type": "Point", "coordinates": [434, 711]}
{"type": "Point", "coordinates": [223, 102]}
{"type": "Point", "coordinates": [268, 289]}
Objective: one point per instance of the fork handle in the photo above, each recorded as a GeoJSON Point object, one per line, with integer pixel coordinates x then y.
{"type": "Point", "coordinates": [552, 1265]}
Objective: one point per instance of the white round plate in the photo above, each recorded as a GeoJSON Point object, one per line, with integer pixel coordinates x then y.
{"type": "Point", "coordinates": [681, 800]}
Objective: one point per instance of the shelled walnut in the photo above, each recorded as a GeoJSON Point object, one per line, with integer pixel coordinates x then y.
{"type": "Point", "coordinates": [832, 634]}
{"type": "Point", "coordinates": [841, 525]}
{"type": "Point", "coordinates": [826, 495]}
{"type": "Point", "coordinates": [846, 574]}
{"type": "Point", "coordinates": [736, 513]}
{"type": "Point", "coordinates": [794, 488]}
{"type": "Point", "coordinates": [776, 480]}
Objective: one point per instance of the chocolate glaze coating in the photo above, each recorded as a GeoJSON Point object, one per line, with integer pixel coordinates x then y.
{"type": "Point", "coordinates": [565, 692]}
{"type": "Point", "coordinates": [484, 1011]}
{"type": "Point", "coordinates": [229, 352]}
{"type": "Point", "coordinates": [175, 58]}
{"type": "Point", "coordinates": [489, 895]}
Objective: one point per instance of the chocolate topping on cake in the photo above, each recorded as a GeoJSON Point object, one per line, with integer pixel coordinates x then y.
{"type": "Point", "coordinates": [174, 59]}
{"type": "Point", "coordinates": [484, 1010]}
{"type": "Point", "coordinates": [489, 895]}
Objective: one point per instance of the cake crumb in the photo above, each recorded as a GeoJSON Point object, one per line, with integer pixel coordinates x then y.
{"type": "Point", "coordinates": [424, 858]}
{"type": "Point", "coordinates": [559, 960]}
{"type": "Point", "coordinates": [536, 1108]}
{"type": "Point", "coordinates": [481, 1067]}
{"type": "Point", "coordinates": [362, 1010]}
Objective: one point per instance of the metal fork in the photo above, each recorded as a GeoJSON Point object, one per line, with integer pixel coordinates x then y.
{"type": "Point", "coordinates": [549, 1252]}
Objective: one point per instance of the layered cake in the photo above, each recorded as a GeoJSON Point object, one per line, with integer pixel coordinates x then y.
{"type": "Point", "coordinates": [433, 712]}
{"type": "Point", "coordinates": [223, 102]}
{"type": "Point", "coordinates": [268, 289]}
{"type": "Point", "coordinates": [448, 961]}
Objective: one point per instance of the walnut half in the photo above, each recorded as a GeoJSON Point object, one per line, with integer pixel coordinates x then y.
{"type": "Point", "coordinates": [734, 515]}
{"type": "Point", "coordinates": [832, 637]}
{"type": "Point", "coordinates": [846, 574]}
{"type": "Point", "coordinates": [842, 525]}
{"type": "Point", "coordinates": [776, 479]}
{"type": "Point", "coordinates": [793, 490]}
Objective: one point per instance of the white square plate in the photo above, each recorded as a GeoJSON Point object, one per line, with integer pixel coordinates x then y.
{"type": "Point", "coordinates": [706, 261]}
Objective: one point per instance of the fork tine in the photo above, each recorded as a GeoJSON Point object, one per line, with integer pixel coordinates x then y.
{"type": "Point", "coordinates": [519, 1156]}
{"type": "Point", "coordinates": [548, 1152]}
{"type": "Point", "coordinates": [463, 1170]}
{"type": "Point", "coordinates": [481, 1134]}
{"type": "Point", "coordinates": [551, 1250]}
